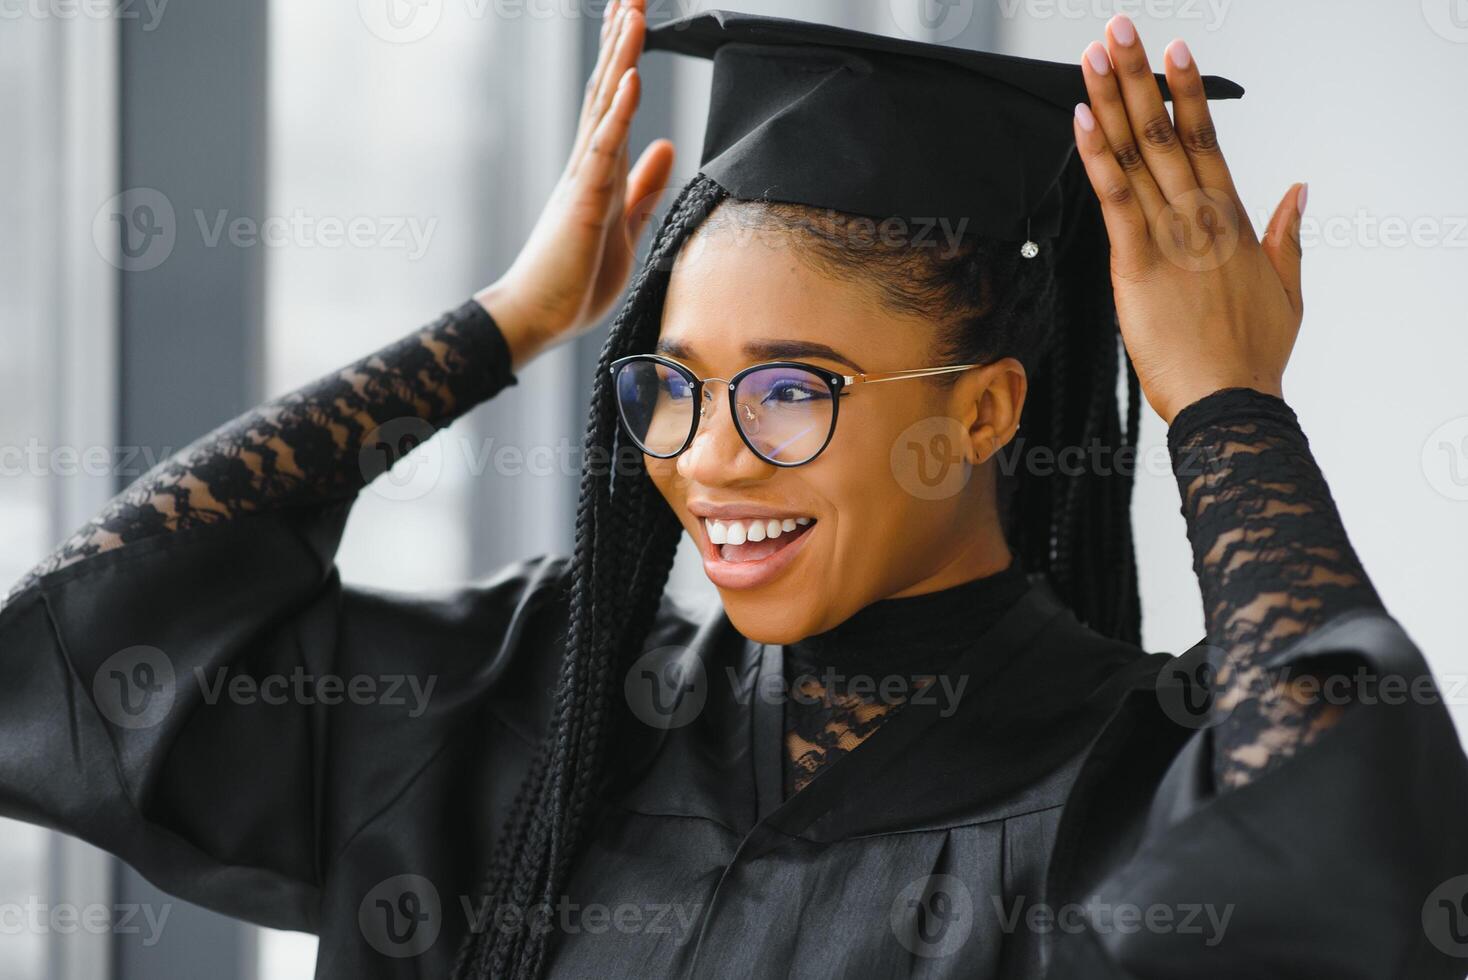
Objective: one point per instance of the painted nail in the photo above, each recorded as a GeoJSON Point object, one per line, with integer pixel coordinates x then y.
{"type": "Point", "coordinates": [1303, 197]}
{"type": "Point", "coordinates": [1178, 53]}
{"type": "Point", "coordinates": [1100, 61]}
{"type": "Point", "coordinates": [1123, 30]}
{"type": "Point", "coordinates": [1084, 117]}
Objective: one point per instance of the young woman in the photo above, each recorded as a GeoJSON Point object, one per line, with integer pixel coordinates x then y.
{"type": "Point", "coordinates": [918, 739]}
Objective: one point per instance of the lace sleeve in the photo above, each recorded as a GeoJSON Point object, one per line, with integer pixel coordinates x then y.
{"type": "Point", "coordinates": [305, 447]}
{"type": "Point", "coordinates": [1273, 561]}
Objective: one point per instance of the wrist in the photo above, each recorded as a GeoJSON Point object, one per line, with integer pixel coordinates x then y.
{"type": "Point", "coordinates": [517, 322]}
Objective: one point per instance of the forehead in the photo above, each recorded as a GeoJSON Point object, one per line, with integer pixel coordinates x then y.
{"type": "Point", "coordinates": [742, 292]}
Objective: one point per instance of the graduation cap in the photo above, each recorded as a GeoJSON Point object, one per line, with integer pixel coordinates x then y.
{"type": "Point", "coordinates": [834, 118]}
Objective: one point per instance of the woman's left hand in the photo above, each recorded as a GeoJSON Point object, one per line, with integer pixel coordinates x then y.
{"type": "Point", "coordinates": [1202, 303]}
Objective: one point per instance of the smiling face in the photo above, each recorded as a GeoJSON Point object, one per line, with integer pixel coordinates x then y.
{"type": "Point", "coordinates": [860, 522]}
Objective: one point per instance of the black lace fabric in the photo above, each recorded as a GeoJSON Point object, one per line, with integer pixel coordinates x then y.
{"type": "Point", "coordinates": [306, 447]}
{"type": "Point", "coordinates": [847, 681]}
{"type": "Point", "coordinates": [1273, 561]}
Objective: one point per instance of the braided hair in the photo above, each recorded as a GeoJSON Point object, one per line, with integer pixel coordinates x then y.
{"type": "Point", "coordinates": [1054, 313]}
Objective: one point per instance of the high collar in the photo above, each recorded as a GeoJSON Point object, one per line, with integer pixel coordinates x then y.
{"type": "Point", "coordinates": [912, 633]}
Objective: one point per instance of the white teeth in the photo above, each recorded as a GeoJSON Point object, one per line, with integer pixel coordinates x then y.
{"type": "Point", "coordinates": [756, 529]}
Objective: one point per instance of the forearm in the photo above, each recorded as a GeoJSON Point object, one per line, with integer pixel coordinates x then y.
{"type": "Point", "coordinates": [1273, 561]}
{"type": "Point", "coordinates": [306, 447]}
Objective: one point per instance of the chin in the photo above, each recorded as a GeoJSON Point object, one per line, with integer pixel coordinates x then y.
{"type": "Point", "coordinates": [776, 618]}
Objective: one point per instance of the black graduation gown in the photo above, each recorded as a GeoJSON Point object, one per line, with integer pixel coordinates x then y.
{"type": "Point", "coordinates": [999, 839]}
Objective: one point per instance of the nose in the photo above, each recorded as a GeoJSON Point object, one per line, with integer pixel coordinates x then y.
{"type": "Point", "coordinates": [718, 456]}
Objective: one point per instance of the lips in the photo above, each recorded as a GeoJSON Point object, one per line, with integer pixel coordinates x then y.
{"type": "Point", "coordinates": [743, 552]}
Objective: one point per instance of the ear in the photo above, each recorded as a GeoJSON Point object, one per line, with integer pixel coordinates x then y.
{"type": "Point", "coordinates": [989, 400]}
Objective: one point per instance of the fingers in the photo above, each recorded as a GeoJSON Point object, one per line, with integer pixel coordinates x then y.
{"type": "Point", "coordinates": [1126, 225]}
{"type": "Point", "coordinates": [1116, 128]}
{"type": "Point", "coordinates": [619, 52]}
{"type": "Point", "coordinates": [1282, 243]}
{"type": "Point", "coordinates": [1149, 125]}
{"type": "Point", "coordinates": [646, 184]}
{"type": "Point", "coordinates": [1194, 121]}
{"type": "Point", "coordinates": [604, 151]}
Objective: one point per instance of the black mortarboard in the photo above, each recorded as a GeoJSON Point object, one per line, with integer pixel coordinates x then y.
{"type": "Point", "coordinates": [884, 127]}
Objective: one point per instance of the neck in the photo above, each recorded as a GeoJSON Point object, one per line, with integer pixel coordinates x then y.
{"type": "Point", "coordinates": [915, 630]}
{"type": "Point", "coordinates": [984, 555]}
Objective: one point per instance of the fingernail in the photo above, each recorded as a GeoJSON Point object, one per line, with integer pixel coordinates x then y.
{"type": "Point", "coordinates": [1178, 53]}
{"type": "Point", "coordinates": [1303, 197]}
{"type": "Point", "coordinates": [1099, 59]}
{"type": "Point", "coordinates": [1084, 117]}
{"type": "Point", "coordinates": [1123, 29]}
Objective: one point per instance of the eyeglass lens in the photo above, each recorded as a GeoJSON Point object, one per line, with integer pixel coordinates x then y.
{"type": "Point", "coordinates": [785, 413]}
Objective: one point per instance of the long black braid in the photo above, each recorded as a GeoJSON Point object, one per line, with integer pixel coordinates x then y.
{"type": "Point", "coordinates": [1054, 312]}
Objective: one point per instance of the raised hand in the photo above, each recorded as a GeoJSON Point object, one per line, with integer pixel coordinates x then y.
{"type": "Point", "coordinates": [1202, 303]}
{"type": "Point", "coordinates": [580, 254]}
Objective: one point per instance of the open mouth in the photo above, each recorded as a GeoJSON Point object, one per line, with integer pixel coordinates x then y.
{"type": "Point", "coordinates": [754, 539]}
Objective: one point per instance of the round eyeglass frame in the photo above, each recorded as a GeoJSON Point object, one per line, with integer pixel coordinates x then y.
{"type": "Point", "coordinates": [835, 383]}
{"type": "Point", "coordinates": [838, 384]}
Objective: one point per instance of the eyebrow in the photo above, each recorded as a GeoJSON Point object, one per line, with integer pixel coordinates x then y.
{"type": "Point", "coordinates": [766, 350]}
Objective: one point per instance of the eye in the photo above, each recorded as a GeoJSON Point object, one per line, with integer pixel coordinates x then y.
{"type": "Point", "coordinates": [789, 391]}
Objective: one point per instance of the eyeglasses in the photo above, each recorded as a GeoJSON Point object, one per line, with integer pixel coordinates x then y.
{"type": "Point", "coordinates": [785, 411]}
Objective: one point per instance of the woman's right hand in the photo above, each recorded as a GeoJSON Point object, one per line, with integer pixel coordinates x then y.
{"type": "Point", "coordinates": [580, 254]}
